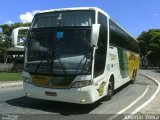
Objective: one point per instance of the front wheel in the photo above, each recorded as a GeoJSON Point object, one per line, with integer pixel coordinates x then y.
{"type": "Point", "coordinates": [110, 90]}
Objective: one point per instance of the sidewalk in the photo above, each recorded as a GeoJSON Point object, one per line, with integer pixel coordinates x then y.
{"type": "Point", "coordinates": [10, 84]}
{"type": "Point", "coordinates": [154, 106]}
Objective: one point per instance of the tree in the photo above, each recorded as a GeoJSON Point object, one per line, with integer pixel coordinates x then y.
{"type": "Point", "coordinates": [7, 29]}
{"type": "Point", "coordinates": [149, 43]}
{"type": "Point", "coordinates": [5, 43]}
{"type": "Point", "coordinates": [5, 38]}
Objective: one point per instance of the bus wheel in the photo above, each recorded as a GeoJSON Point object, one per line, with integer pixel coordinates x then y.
{"type": "Point", "coordinates": [110, 89]}
{"type": "Point", "coordinates": [133, 77]}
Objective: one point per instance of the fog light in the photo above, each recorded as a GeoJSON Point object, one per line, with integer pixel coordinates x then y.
{"type": "Point", "coordinates": [27, 94]}
{"type": "Point", "coordinates": [83, 101]}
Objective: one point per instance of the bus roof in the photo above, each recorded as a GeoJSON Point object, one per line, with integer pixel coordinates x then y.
{"type": "Point", "coordinates": [75, 8]}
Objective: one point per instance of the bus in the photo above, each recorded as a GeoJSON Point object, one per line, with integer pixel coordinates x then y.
{"type": "Point", "coordinates": [77, 55]}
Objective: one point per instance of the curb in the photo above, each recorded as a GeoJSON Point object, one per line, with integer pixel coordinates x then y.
{"type": "Point", "coordinates": [153, 79]}
{"type": "Point", "coordinates": [11, 84]}
{"type": "Point", "coordinates": [152, 97]}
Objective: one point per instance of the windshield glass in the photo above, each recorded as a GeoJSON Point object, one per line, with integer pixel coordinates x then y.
{"type": "Point", "coordinates": [64, 18]}
{"type": "Point", "coordinates": [61, 50]}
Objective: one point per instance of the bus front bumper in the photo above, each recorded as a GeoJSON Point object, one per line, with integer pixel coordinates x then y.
{"type": "Point", "coordinates": [85, 95]}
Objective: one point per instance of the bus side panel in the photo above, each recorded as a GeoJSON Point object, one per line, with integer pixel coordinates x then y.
{"type": "Point", "coordinates": [123, 62]}
{"type": "Point", "coordinates": [117, 66]}
{"type": "Point", "coordinates": [133, 63]}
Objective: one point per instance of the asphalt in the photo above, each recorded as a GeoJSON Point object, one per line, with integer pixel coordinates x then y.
{"type": "Point", "coordinates": [152, 108]}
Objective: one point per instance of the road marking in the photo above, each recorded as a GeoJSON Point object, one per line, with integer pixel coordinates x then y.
{"type": "Point", "coordinates": [130, 105]}
{"type": "Point", "coordinates": [143, 105]}
{"type": "Point", "coordinates": [153, 96]}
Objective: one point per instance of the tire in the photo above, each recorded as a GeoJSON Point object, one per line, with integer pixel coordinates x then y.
{"type": "Point", "coordinates": [110, 90]}
{"type": "Point", "coordinates": [133, 77]}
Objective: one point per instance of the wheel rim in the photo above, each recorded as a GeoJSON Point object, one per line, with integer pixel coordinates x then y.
{"type": "Point", "coordinates": [110, 88]}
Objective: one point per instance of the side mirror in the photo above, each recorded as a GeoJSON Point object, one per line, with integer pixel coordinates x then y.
{"type": "Point", "coordinates": [14, 37]}
{"type": "Point", "coordinates": [15, 34]}
{"type": "Point", "coordinates": [95, 34]}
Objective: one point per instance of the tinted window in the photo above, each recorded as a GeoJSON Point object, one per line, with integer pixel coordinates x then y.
{"type": "Point", "coordinates": [64, 18]}
{"type": "Point", "coordinates": [100, 55]}
{"type": "Point", "coordinates": [122, 39]}
{"type": "Point", "coordinates": [64, 51]}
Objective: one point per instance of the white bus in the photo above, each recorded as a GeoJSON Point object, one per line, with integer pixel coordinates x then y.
{"type": "Point", "coordinates": [77, 55]}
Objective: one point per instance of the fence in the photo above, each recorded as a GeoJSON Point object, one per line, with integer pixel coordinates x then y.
{"type": "Point", "coordinates": [11, 67]}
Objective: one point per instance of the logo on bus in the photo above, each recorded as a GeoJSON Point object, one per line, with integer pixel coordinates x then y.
{"type": "Point", "coordinates": [132, 57]}
{"type": "Point", "coordinates": [101, 88]}
{"type": "Point", "coordinates": [113, 56]}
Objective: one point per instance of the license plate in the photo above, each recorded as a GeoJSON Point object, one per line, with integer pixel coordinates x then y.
{"type": "Point", "coordinates": [50, 93]}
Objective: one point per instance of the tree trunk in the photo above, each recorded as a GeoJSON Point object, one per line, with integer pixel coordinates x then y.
{"type": "Point", "coordinates": [5, 58]}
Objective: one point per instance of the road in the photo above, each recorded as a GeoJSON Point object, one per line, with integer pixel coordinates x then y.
{"type": "Point", "coordinates": [125, 100]}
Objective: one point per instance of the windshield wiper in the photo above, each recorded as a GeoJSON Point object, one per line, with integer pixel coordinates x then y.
{"type": "Point", "coordinates": [85, 56]}
{"type": "Point", "coordinates": [38, 66]}
{"type": "Point", "coordinates": [63, 68]}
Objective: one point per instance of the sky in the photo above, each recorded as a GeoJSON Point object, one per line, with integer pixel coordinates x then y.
{"type": "Point", "coordinates": [135, 16]}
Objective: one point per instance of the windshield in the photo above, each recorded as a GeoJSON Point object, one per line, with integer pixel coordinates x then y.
{"type": "Point", "coordinates": [64, 18]}
{"type": "Point", "coordinates": [61, 50]}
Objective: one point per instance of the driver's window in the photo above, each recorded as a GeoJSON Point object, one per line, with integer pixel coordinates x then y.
{"type": "Point", "coordinates": [100, 55]}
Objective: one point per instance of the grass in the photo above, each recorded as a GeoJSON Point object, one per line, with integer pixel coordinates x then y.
{"type": "Point", "coordinates": [10, 76]}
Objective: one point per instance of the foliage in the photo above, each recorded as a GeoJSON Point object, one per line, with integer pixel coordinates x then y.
{"type": "Point", "coordinates": [5, 43]}
{"type": "Point", "coordinates": [7, 29]}
{"type": "Point", "coordinates": [150, 45]}
{"type": "Point", "coordinates": [10, 76]}
{"type": "Point", "coordinates": [5, 38]}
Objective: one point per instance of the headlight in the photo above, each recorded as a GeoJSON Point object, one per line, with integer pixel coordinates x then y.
{"type": "Point", "coordinates": [27, 79]}
{"type": "Point", "coordinates": [80, 84]}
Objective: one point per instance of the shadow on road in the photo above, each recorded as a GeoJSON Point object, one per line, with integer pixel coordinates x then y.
{"type": "Point", "coordinates": [52, 106]}
{"type": "Point", "coordinates": [157, 71]}
{"type": "Point", "coordinates": [154, 69]}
